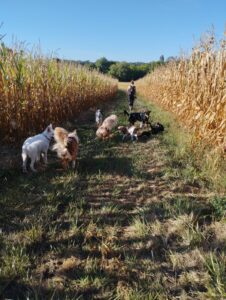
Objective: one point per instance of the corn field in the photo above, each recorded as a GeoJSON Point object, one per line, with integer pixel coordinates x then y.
{"type": "Point", "coordinates": [36, 91]}
{"type": "Point", "coordinates": [194, 89]}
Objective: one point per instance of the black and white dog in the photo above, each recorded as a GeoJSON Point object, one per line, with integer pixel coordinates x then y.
{"type": "Point", "coordinates": [142, 117]}
{"type": "Point", "coordinates": [128, 132]}
{"type": "Point", "coordinates": [156, 128]}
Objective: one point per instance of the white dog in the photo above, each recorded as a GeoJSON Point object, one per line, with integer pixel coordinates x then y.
{"type": "Point", "coordinates": [99, 118]}
{"type": "Point", "coordinates": [36, 145]}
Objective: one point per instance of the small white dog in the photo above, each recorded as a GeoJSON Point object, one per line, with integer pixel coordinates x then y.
{"type": "Point", "coordinates": [36, 145]}
{"type": "Point", "coordinates": [99, 118]}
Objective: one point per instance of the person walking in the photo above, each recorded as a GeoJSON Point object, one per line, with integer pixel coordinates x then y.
{"type": "Point", "coordinates": [131, 91]}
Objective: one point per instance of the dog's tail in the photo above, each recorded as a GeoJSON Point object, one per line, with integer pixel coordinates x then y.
{"type": "Point", "coordinates": [126, 113]}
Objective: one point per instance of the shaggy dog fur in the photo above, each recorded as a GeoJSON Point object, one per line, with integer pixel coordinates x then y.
{"type": "Point", "coordinates": [103, 132]}
{"type": "Point", "coordinates": [66, 146]}
{"type": "Point", "coordinates": [35, 146]}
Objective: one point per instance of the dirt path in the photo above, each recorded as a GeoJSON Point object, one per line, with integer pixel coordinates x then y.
{"type": "Point", "coordinates": [123, 226]}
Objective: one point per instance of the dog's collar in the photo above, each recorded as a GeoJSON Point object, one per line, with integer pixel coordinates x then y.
{"type": "Point", "coordinates": [49, 139]}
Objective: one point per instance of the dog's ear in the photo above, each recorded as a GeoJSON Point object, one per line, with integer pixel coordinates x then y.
{"type": "Point", "coordinates": [50, 128]}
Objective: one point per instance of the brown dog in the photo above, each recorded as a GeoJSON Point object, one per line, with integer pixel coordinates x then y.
{"type": "Point", "coordinates": [103, 132]}
{"type": "Point", "coordinates": [66, 146]}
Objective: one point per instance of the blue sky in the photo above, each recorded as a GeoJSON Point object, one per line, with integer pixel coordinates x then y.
{"type": "Point", "coordinates": [124, 30]}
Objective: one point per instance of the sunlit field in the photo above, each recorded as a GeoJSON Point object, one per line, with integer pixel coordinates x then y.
{"type": "Point", "coordinates": [36, 91]}
{"type": "Point", "coordinates": [194, 89]}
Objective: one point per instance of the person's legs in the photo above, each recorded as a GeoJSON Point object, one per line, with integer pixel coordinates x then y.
{"type": "Point", "coordinates": [130, 104]}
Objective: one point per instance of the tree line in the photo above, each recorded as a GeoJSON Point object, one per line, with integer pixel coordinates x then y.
{"type": "Point", "coordinates": [123, 71]}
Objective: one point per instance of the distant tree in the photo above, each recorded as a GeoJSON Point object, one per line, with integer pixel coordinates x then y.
{"type": "Point", "coordinates": [121, 71]}
{"type": "Point", "coordinates": [90, 65]}
{"type": "Point", "coordinates": [171, 58]}
{"type": "Point", "coordinates": [103, 65]}
{"type": "Point", "coordinates": [138, 71]}
{"type": "Point", "coordinates": [153, 65]}
{"type": "Point", "coordinates": [162, 59]}
{"type": "Point", "coordinates": [131, 71]}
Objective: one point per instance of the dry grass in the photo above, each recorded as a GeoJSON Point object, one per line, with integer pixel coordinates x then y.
{"type": "Point", "coordinates": [36, 91]}
{"type": "Point", "coordinates": [194, 90]}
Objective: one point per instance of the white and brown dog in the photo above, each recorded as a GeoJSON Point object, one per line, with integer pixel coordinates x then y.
{"type": "Point", "coordinates": [35, 146]}
{"type": "Point", "coordinates": [104, 131]}
{"type": "Point", "coordinates": [66, 146]}
{"type": "Point", "coordinates": [128, 132]}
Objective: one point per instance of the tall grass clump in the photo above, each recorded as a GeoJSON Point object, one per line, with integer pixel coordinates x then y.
{"type": "Point", "coordinates": [194, 89]}
{"type": "Point", "coordinates": [36, 90]}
